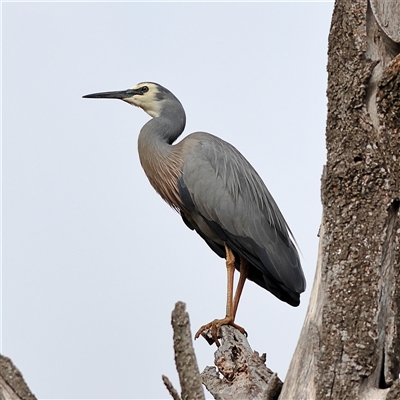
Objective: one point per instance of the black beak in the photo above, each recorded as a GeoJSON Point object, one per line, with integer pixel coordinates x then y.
{"type": "Point", "coordinates": [121, 94]}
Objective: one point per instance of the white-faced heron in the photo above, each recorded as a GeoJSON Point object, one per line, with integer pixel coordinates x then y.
{"type": "Point", "coordinates": [220, 196]}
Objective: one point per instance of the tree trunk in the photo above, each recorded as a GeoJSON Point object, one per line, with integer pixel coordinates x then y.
{"type": "Point", "coordinates": [349, 346]}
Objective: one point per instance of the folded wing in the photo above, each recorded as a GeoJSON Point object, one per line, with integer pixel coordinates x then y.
{"type": "Point", "coordinates": [227, 201]}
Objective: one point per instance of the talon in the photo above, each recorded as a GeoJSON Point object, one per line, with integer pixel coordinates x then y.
{"type": "Point", "coordinates": [213, 327]}
{"type": "Point", "coordinates": [202, 329]}
{"type": "Point", "coordinates": [214, 330]}
{"type": "Point", "coordinates": [240, 329]}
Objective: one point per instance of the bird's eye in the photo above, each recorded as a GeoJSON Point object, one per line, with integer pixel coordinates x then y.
{"type": "Point", "coordinates": [145, 89]}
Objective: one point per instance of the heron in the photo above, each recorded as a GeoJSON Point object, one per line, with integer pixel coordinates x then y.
{"type": "Point", "coordinates": [219, 195]}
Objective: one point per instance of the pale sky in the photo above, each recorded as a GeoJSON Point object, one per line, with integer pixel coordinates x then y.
{"type": "Point", "coordinates": [93, 260]}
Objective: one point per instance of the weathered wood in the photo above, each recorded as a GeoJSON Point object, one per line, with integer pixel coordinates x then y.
{"type": "Point", "coordinates": [172, 391]}
{"type": "Point", "coordinates": [242, 373]}
{"type": "Point", "coordinates": [349, 346]}
{"type": "Point", "coordinates": [12, 383]}
{"type": "Point", "coordinates": [185, 358]}
{"type": "Point", "coordinates": [300, 379]}
{"type": "Point", "coordinates": [387, 15]}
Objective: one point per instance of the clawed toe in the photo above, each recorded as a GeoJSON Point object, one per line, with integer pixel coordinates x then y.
{"type": "Point", "coordinates": [240, 329]}
{"type": "Point", "coordinates": [214, 327]}
{"type": "Point", "coordinates": [202, 329]}
{"type": "Point", "coordinates": [214, 330]}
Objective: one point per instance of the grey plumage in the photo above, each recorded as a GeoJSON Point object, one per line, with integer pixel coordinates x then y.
{"type": "Point", "coordinates": [220, 186]}
{"type": "Point", "coordinates": [217, 192]}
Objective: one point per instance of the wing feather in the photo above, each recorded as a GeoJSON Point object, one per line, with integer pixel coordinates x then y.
{"type": "Point", "coordinates": [221, 186]}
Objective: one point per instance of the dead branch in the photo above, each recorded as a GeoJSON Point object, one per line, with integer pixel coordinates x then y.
{"type": "Point", "coordinates": [12, 383]}
{"type": "Point", "coordinates": [185, 358]}
{"type": "Point", "coordinates": [242, 373]}
{"type": "Point", "coordinates": [172, 391]}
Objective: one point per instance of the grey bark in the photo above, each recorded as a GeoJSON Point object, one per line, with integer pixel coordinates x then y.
{"type": "Point", "coordinates": [12, 384]}
{"type": "Point", "coordinates": [241, 373]}
{"type": "Point", "coordinates": [349, 346]}
{"type": "Point", "coordinates": [172, 391]}
{"type": "Point", "coordinates": [185, 358]}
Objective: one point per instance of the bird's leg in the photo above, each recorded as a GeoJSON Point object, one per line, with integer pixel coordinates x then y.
{"type": "Point", "coordinates": [230, 269]}
{"type": "Point", "coordinates": [244, 272]}
{"type": "Point", "coordinates": [231, 305]}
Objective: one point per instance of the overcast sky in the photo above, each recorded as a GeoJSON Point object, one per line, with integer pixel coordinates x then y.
{"type": "Point", "coordinates": [93, 260]}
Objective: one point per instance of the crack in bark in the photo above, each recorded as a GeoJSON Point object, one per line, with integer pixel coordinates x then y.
{"type": "Point", "coordinates": [378, 61]}
{"type": "Point", "coordinates": [380, 48]}
{"type": "Point", "coordinates": [339, 360]}
{"type": "Point", "coordinates": [387, 369]}
{"type": "Point", "coordinates": [382, 381]}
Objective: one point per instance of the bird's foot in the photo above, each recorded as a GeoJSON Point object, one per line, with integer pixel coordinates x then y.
{"type": "Point", "coordinates": [214, 330]}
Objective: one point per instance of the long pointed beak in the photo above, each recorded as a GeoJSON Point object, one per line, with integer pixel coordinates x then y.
{"type": "Point", "coordinates": [121, 94]}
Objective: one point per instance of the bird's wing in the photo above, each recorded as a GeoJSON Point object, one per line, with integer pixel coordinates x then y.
{"type": "Point", "coordinates": [221, 186]}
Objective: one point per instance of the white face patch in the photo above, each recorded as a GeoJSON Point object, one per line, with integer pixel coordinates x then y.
{"type": "Point", "coordinates": [148, 101]}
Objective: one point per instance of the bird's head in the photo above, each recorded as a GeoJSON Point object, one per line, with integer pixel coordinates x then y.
{"type": "Point", "coordinates": [149, 96]}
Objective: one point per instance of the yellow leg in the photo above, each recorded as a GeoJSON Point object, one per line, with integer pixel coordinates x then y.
{"type": "Point", "coordinates": [230, 269]}
{"type": "Point", "coordinates": [231, 304]}
{"type": "Point", "coordinates": [244, 272]}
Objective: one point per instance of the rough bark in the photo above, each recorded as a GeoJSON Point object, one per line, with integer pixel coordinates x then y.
{"type": "Point", "coordinates": [242, 373]}
{"type": "Point", "coordinates": [185, 358]}
{"type": "Point", "coordinates": [349, 346]}
{"type": "Point", "coordinates": [12, 384]}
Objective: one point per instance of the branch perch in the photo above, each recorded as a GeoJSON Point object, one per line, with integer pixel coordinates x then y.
{"type": "Point", "coordinates": [242, 373]}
